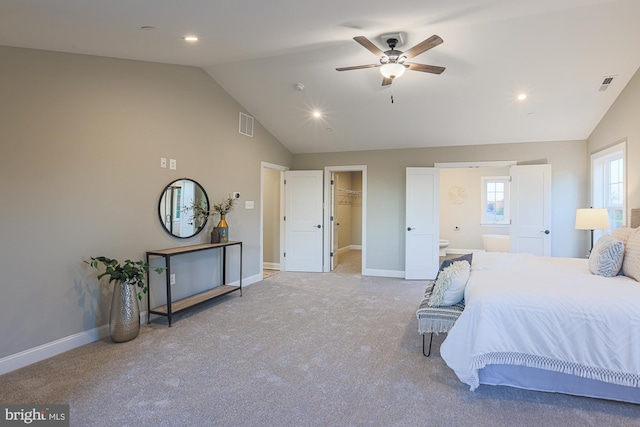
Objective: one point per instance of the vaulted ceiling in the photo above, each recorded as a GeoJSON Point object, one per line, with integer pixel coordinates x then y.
{"type": "Point", "coordinates": [556, 51]}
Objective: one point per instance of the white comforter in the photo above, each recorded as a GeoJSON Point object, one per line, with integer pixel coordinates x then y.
{"type": "Point", "coordinates": [547, 313]}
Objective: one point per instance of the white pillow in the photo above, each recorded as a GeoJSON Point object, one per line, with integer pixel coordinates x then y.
{"type": "Point", "coordinates": [631, 263]}
{"type": "Point", "coordinates": [450, 284]}
{"type": "Point", "coordinates": [606, 256]}
{"type": "Point", "coordinates": [622, 234]}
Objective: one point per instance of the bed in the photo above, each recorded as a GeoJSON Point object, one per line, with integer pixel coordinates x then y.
{"type": "Point", "coordinates": [550, 324]}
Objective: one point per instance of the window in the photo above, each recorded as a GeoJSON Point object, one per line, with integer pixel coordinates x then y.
{"type": "Point", "coordinates": [495, 200]}
{"type": "Point", "coordinates": [608, 183]}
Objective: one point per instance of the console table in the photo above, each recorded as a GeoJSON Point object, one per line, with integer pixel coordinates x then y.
{"type": "Point", "coordinates": [175, 306]}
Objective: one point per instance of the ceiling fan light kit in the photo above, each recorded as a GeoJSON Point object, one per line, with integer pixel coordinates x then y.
{"type": "Point", "coordinates": [392, 70]}
{"type": "Point", "coordinates": [393, 62]}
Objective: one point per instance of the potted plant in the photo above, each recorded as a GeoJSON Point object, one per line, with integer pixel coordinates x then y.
{"type": "Point", "coordinates": [220, 233]}
{"type": "Point", "coordinates": [223, 208]}
{"type": "Point", "coordinates": [124, 318]}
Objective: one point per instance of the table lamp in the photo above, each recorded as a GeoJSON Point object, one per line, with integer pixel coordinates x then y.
{"type": "Point", "coordinates": [592, 219]}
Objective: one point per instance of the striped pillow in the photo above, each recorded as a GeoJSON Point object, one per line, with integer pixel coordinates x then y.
{"type": "Point", "coordinates": [606, 256]}
{"type": "Point", "coordinates": [622, 234]}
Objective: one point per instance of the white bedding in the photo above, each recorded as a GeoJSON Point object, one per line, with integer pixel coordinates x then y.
{"type": "Point", "coordinates": [546, 313]}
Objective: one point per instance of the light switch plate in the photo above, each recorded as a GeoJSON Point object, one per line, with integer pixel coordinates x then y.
{"type": "Point", "coordinates": [163, 162]}
{"type": "Point", "coordinates": [172, 164]}
{"type": "Point", "coordinates": [248, 204]}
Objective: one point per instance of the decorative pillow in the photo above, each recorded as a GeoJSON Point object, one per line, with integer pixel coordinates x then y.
{"type": "Point", "coordinates": [447, 262]}
{"type": "Point", "coordinates": [450, 284]}
{"type": "Point", "coordinates": [606, 256]}
{"type": "Point", "coordinates": [631, 263]}
{"type": "Point", "coordinates": [622, 234]}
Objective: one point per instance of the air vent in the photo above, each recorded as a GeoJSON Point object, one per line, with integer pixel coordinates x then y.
{"type": "Point", "coordinates": [246, 125]}
{"type": "Point", "coordinates": [606, 82]}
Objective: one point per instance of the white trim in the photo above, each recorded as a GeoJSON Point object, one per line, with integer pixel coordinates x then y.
{"type": "Point", "coordinates": [248, 281]}
{"type": "Point", "coordinates": [54, 348]}
{"type": "Point", "coordinates": [271, 265]}
{"type": "Point", "coordinates": [489, 164]}
{"type": "Point", "coordinates": [396, 274]}
{"type": "Point", "coordinates": [327, 211]}
{"type": "Point", "coordinates": [350, 248]}
{"type": "Point", "coordinates": [505, 179]}
{"type": "Point", "coordinates": [45, 351]}
{"type": "Point", "coordinates": [280, 168]}
{"type": "Point", "coordinates": [599, 157]}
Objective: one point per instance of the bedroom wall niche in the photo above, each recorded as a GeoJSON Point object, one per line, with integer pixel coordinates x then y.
{"type": "Point", "coordinates": [460, 207]}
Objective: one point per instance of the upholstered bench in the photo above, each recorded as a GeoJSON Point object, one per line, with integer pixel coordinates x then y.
{"type": "Point", "coordinates": [435, 319]}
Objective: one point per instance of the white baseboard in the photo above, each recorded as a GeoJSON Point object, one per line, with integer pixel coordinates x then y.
{"type": "Point", "coordinates": [383, 273]}
{"type": "Point", "coordinates": [45, 351]}
{"type": "Point", "coordinates": [350, 248]}
{"type": "Point", "coordinates": [271, 265]}
{"type": "Point", "coordinates": [250, 280]}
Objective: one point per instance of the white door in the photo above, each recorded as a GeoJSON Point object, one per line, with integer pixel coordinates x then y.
{"type": "Point", "coordinates": [334, 221]}
{"type": "Point", "coordinates": [303, 221]}
{"type": "Point", "coordinates": [422, 228]}
{"type": "Point", "coordinates": [531, 209]}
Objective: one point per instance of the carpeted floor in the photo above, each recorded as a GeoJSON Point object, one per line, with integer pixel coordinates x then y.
{"type": "Point", "coordinates": [298, 349]}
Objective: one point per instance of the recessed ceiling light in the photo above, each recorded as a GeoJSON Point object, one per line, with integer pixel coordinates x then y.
{"type": "Point", "coordinates": [190, 38]}
{"type": "Point", "coordinates": [317, 114]}
{"type": "Point", "coordinates": [522, 96]}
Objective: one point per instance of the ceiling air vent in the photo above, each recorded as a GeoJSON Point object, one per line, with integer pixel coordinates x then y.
{"type": "Point", "coordinates": [246, 125]}
{"type": "Point", "coordinates": [606, 82]}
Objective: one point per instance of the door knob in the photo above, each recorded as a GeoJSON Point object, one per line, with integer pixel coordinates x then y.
{"type": "Point", "coordinates": [318, 226]}
{"type": "Point", "coordinates": [546, 232]}
{"type": "Point", "coordinates": [409, 228]}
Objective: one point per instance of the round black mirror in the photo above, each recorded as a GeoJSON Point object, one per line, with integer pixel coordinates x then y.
{"type": "Point", "coordinates": [182, 208]}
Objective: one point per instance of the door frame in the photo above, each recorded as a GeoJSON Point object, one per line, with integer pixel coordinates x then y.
{"type": "Point", "coordinates": [327, 212]}
{"type": "Point", "coordinates": [263, 166]}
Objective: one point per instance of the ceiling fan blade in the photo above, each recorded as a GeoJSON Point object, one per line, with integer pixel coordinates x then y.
{"type": "Point", "coordinates": [423, 46]}
{"type": "Point", "coordinates": [425, 68]}
{"type": "Point", "coordinates": [357, 67]}
{"type": "Point", "coordinates": [386, 81]}
{"type": "Point", "coordinates": [367, 44]}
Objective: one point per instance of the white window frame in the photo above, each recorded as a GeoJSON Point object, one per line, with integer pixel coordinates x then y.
{"type": "Point", "coordinates": [507, 200]}
{"type": "Point", "coordinates": [600, 181]}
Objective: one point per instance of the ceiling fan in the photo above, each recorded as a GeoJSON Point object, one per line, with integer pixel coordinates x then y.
{"type": "Point", "coordinates": [393, 63]}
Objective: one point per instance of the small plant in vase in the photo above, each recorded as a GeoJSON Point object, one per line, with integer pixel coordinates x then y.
{"type": "Point", "coordinates": [222, 209]}
{"type": "Point", "coordinates": [220, 233]}
{"type": "Point", "coordinates": [124, 319]}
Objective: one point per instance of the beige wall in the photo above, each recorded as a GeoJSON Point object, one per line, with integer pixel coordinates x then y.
{"type": "Point", "coordinates": [622, 122]}
{"type": "Point", "coordinates": [386, 189]}
{"type": "Point", "coordinates": [82, 137]}
{"type": "Point", "coordinates": [80, 175]}
{"type": "Point", "coordinates": [271, 217]}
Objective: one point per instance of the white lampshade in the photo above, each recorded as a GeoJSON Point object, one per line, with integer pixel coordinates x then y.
{"type": "Point", "coordinates": [592, 219]}
{"type": "Point", "coordinates": [392, 70]}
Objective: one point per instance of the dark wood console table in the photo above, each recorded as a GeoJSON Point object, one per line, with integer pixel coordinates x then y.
{"type": "Point", "coordinates": [175, 306]}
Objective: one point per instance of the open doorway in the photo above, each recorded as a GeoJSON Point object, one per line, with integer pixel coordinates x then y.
{"type": "Point", "coordinates": [271, 235]}
{"type": "Point", "coordinates": [345, 195]}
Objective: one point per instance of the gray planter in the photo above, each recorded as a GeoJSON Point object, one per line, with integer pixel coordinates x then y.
{"type": "Point", "coordinates": [124, 321]}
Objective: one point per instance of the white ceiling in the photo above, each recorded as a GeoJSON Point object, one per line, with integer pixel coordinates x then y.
{"type": "Point", "coordinates": [557, 51]}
